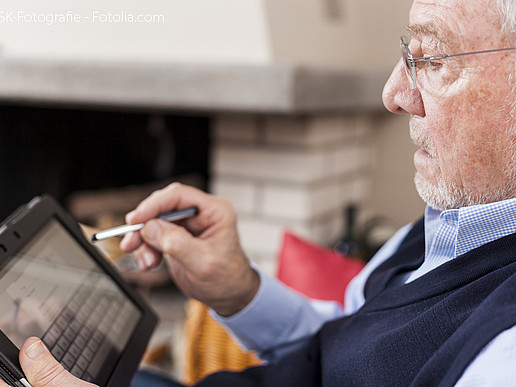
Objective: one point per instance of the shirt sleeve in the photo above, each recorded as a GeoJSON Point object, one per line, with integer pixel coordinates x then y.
{"type": "Point", "coordinates": [277, 316]}
{"type": "Point", "coordinates": [494, 365]}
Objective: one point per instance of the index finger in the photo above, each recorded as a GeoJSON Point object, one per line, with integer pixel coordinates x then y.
{"type": "Point", "coordinates": [174, 196]}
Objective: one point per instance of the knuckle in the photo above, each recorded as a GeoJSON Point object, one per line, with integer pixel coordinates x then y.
{"type": "Point", "coordinates": [208, 270]}
{"type": "Point", "coordinates": [224, 202]}
{"type": "Point", "coordinates": [152, 197]}
{"type": "Point", "coordinates": [228, 209]}
{"type": "Point", "coordinates": [173, 242]}
{"type": "Point", "coordinates": [50, 374]}
{"type": "Point", "coordinates": [173, 187]}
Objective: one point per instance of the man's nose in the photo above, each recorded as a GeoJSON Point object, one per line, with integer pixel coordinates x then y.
{"type": "Point", "coordinates": [398, 97]}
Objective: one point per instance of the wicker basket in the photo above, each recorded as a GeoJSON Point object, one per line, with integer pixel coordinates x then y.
{"type": "Point", "coordinates": [209, 348]}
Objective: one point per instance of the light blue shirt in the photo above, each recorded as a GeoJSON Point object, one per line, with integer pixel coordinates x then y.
{"type": "Point", "coordinates": [290, 318]}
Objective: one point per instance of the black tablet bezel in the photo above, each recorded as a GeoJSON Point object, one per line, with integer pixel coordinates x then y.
{"type": "Point", "coordinates": [27, 221]}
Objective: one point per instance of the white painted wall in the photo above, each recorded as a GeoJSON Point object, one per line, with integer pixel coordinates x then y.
{"type": "Point", "coordinates": [365, 35]}
{"type": "Point", "coordinates": [184, 31]}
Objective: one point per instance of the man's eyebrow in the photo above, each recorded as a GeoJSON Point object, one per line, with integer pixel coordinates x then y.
{"type": "Point", "coordinates": [444, 37]}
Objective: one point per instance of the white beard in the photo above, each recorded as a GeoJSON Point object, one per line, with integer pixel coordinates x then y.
{"type": "Point", "coordinates": [445, 196]}
{"type": "Point", "coordinates": [441, 196]}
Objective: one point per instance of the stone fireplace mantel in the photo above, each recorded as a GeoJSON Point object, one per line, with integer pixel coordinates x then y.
{"type": "Point", "coordinates": [276, 89]}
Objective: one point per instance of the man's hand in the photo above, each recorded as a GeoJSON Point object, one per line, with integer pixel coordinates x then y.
{"type": "Point", "coordinates": [42, 370]}
{"type": "Point", "coordinates": [203, 253]}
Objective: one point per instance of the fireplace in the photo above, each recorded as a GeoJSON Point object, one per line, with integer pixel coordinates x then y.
{"type": "Point", "coordinates": [278, 117]}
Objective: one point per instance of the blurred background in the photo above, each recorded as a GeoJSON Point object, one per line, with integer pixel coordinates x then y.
{"type": "Point", "coordinates": [275, 104]}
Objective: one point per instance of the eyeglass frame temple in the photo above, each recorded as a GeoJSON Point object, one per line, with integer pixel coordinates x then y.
{"type": "Point", "coordinates": [444, 56]}
{"type": "Point", "coordinates": [413, 61]}
{"type": "Point", "coordinates": [405, 42]}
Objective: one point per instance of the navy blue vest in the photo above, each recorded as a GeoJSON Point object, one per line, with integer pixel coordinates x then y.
{"type": "Point", "coordinates": [424, 333]}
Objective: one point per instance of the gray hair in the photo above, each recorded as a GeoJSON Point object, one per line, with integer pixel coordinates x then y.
{"type": "Point", "coordinates": [507, 9]}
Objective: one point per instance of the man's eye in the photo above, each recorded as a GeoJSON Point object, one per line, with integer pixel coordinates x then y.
{"type": "Point", "coordinates": [433, 65]}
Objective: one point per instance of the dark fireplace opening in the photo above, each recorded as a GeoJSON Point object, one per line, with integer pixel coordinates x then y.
{"type": "Point", "coordinates": [61, 151]}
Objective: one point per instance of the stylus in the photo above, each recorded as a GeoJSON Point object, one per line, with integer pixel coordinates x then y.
{"type": "Point", "coordinates": [24, 382]}
{"type": "Point", "coordinates": [121, 230]}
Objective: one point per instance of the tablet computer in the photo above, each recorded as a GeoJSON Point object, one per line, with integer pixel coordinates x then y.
{"type": "Point", "coordinates": [55, 285]}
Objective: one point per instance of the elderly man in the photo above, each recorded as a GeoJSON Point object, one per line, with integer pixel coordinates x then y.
{"type": "Point", "coordinates": [436, 304]}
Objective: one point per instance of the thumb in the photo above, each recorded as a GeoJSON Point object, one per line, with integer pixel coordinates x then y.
{"type": "Point", "coordinates": [42, 370]}
{"type": "Point", "coordinates": [168, 237]}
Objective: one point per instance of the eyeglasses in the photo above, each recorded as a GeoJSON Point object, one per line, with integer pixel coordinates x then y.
{"type": "Point", "coordinates": [411, 62]}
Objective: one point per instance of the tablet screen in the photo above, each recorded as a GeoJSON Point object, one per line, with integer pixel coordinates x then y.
{"type": "Point", "coordinates": [54, 290]}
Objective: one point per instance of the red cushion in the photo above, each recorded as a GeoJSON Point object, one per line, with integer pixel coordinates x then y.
{"type": "Point", "coordinates": [315, 271]}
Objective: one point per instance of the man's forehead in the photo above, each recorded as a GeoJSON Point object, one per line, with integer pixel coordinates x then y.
{"type": "Point", "coordinates": [452, 22]}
